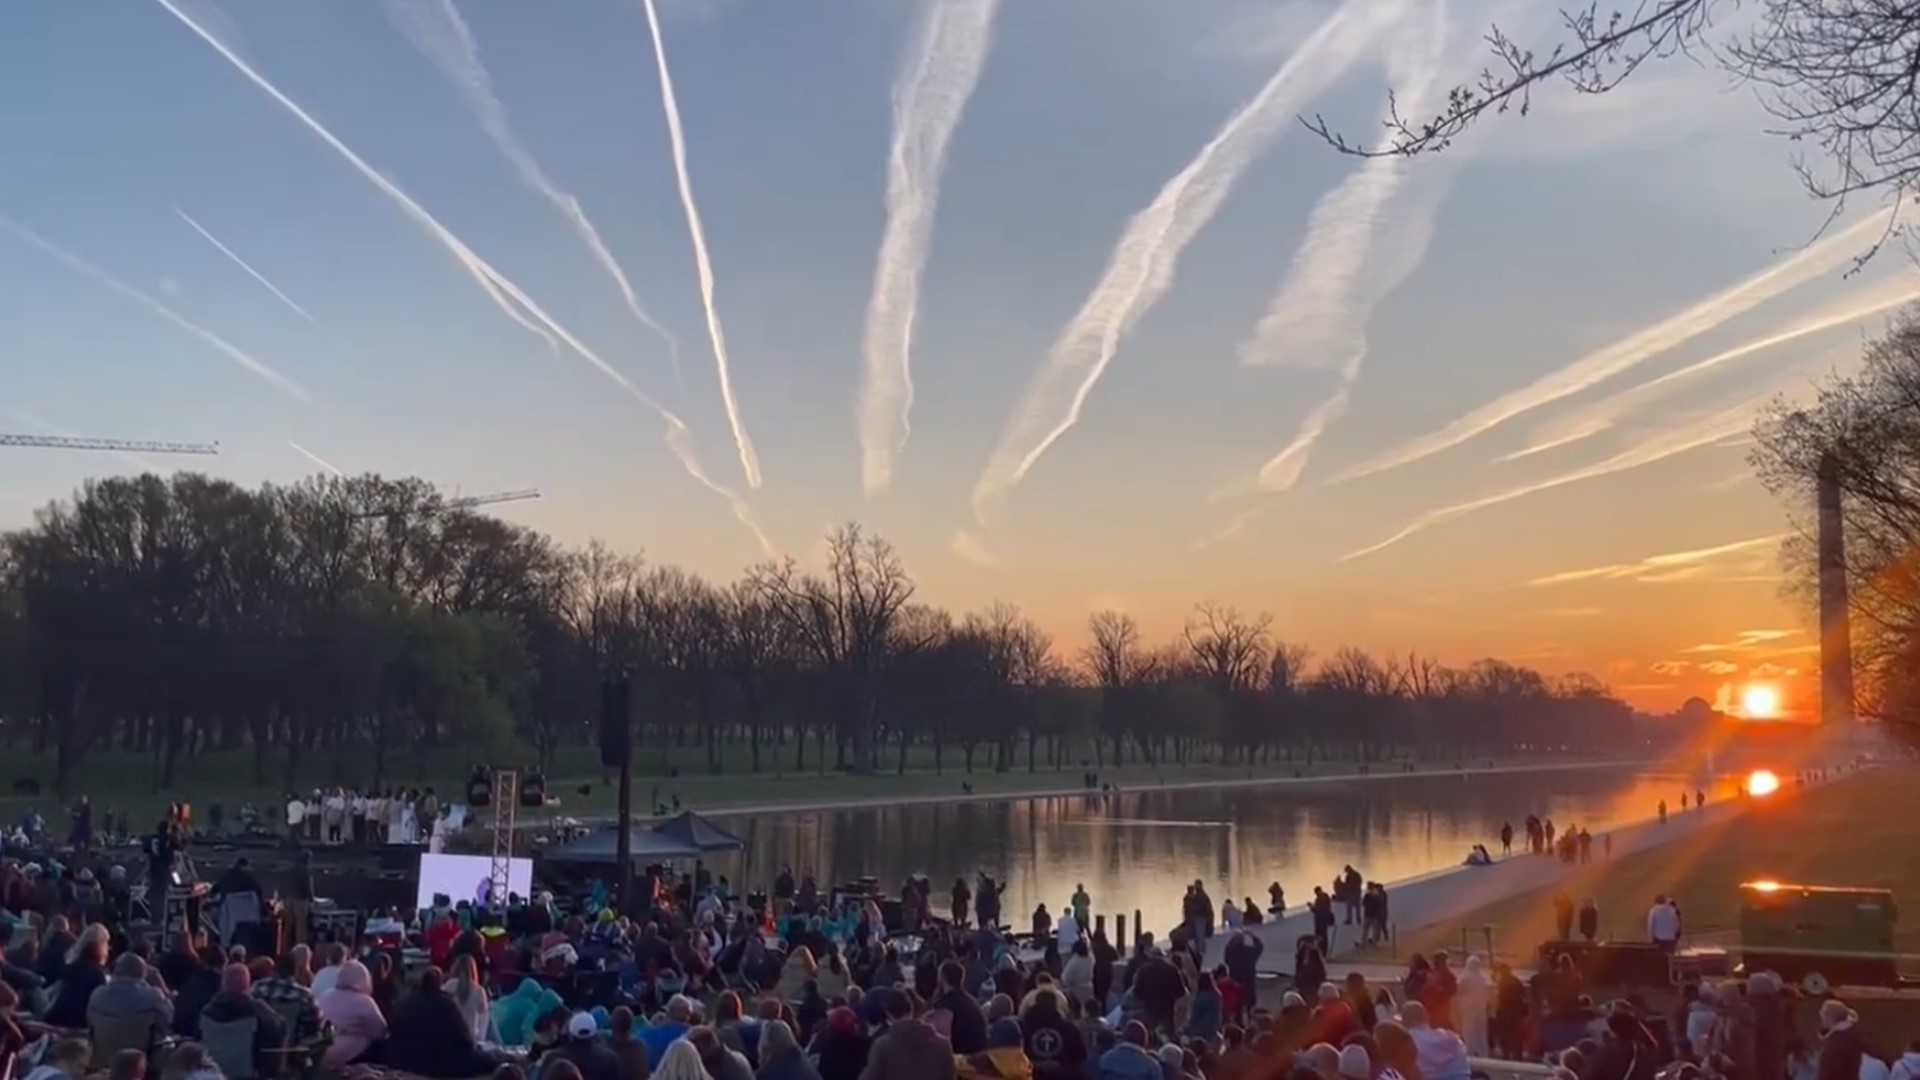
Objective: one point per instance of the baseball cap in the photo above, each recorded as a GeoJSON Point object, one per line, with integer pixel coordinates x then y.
{"type": "Point", "coordinates": [581, 1026]}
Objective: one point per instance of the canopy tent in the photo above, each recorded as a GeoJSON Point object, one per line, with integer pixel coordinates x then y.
{"type": "Point", "coordinates": [602, 846]}
{"type": "Point", "coordinates": [697, 832]}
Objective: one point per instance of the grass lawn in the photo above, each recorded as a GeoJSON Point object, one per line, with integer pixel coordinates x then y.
{"type": "Point", "coordinates": [1856, 832]}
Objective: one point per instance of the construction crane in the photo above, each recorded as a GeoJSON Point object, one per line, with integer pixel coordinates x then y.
{"type": "Point", "coordinates": [466, 502]}
{"type": "Point", "coordinates": [133, 446]}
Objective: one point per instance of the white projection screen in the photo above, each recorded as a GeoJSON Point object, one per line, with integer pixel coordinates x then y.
{"type": "Point", "coordinates": [467, 877]}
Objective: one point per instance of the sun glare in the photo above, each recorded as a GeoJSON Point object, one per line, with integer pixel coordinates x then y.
{"type": "Point", "coordinates": [1762, 782]}
{"type": "Point", "coordinates": [1760, 701]}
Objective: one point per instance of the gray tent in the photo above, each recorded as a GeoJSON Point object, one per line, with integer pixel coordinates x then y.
{"type": "Point", "coordinates": [694, 831]}
{"type": "Point", "coordinates": [602, 847]}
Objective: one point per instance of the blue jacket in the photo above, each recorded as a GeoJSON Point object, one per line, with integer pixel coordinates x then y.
{"type": "Point", "coordinates": [1129, 1062]}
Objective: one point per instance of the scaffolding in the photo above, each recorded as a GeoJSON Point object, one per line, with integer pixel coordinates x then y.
{"type": "Point", "coordinates": [506, 804]}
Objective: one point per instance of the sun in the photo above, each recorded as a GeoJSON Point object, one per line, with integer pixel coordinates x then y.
{"type": "Point", "coordinates": [1760, 701]}
{"type": "Point", "coordinates": [1762, 782]}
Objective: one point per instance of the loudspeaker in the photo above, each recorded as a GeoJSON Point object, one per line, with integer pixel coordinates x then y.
{"type": "Point", "coordinates": [616, 722]}
{"type": "Point", "coordinates": [533, 789]}
{"type": "Point", "coordinates": [480, 787]}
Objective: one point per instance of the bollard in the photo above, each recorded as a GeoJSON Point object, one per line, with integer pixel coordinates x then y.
{"type": "Point", "coordinates": [1139, 924]}
{"type": "Point", "coordinates": [1099, 924]}
{"type": "Point", "coordinates": [1120, 940]}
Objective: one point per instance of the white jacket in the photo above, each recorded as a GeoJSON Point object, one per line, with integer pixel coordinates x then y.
{"type": "Point", "coordinates": [1907, 1068]}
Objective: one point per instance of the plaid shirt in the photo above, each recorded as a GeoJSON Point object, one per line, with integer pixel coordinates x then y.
{"type": "Point", "coordinates": [282, 992]}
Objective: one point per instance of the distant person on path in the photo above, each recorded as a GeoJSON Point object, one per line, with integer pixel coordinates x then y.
{"type": "Point", "coordinates": [1606, 846]}
{"type": "Point", "coordinates": [1082, 906]}
{"type": "Point", "coordinates": [1562, 916]}
{"type": "Point", "coordinates": [1590, 919]}
{"type": "Point", "coordinates": [1663, 811]}
{"type": "Point", "coordinates": [1348, 889]}
{"type": "Point", "coordinates": [962, 901]}
{"type": "Point", "coordinates": [1663, 924]}
{"type": "Point", "coordinates": [1322, 908]}
{"type": "Point", "coordinates": [1699, 799]}
{"type": "Point", "coordinates": [1506, 839]}
{"type": "Point", "coordinates": [1683, 802]}
{"type": "Point", "coordinates": [1276, 899]}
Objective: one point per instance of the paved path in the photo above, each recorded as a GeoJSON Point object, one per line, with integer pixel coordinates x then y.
{"type": "Point", "coordinates": [1455, 892]}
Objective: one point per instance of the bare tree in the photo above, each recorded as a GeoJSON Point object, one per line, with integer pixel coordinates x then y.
{"type": "Point", "coordinates": [1838, 75]}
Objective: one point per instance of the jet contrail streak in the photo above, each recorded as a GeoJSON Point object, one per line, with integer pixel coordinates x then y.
{"type": "Point", "coordinates": [1320, 313]}
{"type": "Point", "coordinates": [749, 461]}
{"type": "Point", "coordinates": [1604, 414]}
{"type": "Point", "coordinates": [242, 264]}
{"type": "Point", "coordinates": [81, 266]}
{"type": "Point", "coordinates": [1141, 268]}
{"type": "Point", "coordinates": [1822, 257]}
{"type": "Point", "coordinates": [315, 458]}
{"type": "Point", "coordinates": [497, 285]}
{"type": "Point", "coordinates": [437, 29]}
{"type": "Point", "coordinates": [1659, 562]}
{"type": "Point", "coordinates": [928, 100]}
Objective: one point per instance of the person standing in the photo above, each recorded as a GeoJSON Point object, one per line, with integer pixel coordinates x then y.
{"type": "Point", "coordinates": [1663, 924]}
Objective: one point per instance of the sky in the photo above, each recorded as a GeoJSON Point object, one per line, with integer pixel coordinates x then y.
{"type": "Point", "coordinates": [1059, 296]}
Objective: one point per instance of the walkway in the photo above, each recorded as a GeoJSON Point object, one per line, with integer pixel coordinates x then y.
{"type": "Point", "coordinates": [1458, 891]}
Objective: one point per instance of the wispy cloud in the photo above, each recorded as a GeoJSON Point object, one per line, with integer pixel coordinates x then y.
{"type": "Point", "coordinates": [496, 285]}
{"type": "Point", "coordinates": [436, 28]}
{"type": "Point", "coordinates": [81, 266]}
{"type": "Point", "coordinates": [1604, 414]}
{"type": "Point", "coordinates": [315, 458]}
{"type": "Point", "coordinates": [1670, 667]}
{"type": "Point", "coordinates": [1718, 667]}
{"type": "Point", "coordinates": [749, 461]}
{"type": "Point", "coordinates": [1822, 257]}
{"type": "Point", "coordinates": [1649, 568]}
{"type": "Point", "coordinates": [928, 100]}
{"type": "Point", "coordinates": [1319, 315]}
{"type": "Point", "coordinates": [1656, 447]}
{"type": "Point", "coordinates": [1141, 268]}
{"type": "Point", "coordinates": [243, 264]}
{"type": "Point", "coordinates": [968, 547]}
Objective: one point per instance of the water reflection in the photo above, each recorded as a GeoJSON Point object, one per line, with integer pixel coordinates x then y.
{"type": "Point", "coordinates": [1136, 850]}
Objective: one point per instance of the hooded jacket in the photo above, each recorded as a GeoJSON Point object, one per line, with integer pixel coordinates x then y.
{"type": "Point", "coordinates": [910, 1050]}
{"type": "Point", "coordinates": [1129, 1062]}
{"type": "Point", "coordinates": [1000, 1063]}
{"type": "Point", "coordinates": [515, 1014]}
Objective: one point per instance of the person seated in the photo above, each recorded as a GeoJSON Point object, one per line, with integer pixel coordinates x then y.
{"type": "Point", "coordinates": [190, 997]}
{"type": "Point", "coordinates": [358, 1025]}
{"type": "Point", "coordinates": [429, 1035]}
{"type": "Point", "coordinates": [515, 1015]}
{"type": "Point", "coordinates": [84, 970]}
{"type": "Point", "coordinates": [126, 1008]}
{"type": "Point", "coordinates": [226, 1018]}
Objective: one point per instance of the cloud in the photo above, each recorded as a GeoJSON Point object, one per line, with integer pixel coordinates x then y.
{"type": "Point", "coordinates": [1771, 671]}
{"type": "Point", "coordinates": [1142, 266]}
{"type": "Point", "coordinates": [969, 547]}
{"type": "Point", "coordinates": [1718, 667]}
{"type": "Point", "coordinates": [1657, 446]}
{"type": "Point", "coordinates": [928, 100]}
{"type": "Point", "coordinates": [242, 264]}
{"type": "Point", "coordinates": [1653, 567]}
{"type": "Point", "coordinates": [1744, 641]}
{"type": "Point", "coordinates": [703, 264]}
{"type": "Point", "coordinates": [1604, 414]}
{"type": "Point", "coordinates": [315, 458]}
{"type": "Point", "coordinates": [436, 28]}
{"type": "Point", "coordinates": [501, 289]}
{"type": "Point", "coordinates": [226, 348]}
{"type": "Point", "coordinates": [1822, 257]}
{"type": "Point", "coordinates": [1669, 667]}
{"type": "Point", "coordinates": [1755, 637]}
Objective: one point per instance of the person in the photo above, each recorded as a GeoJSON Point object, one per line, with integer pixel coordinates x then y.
{"type": "Point", "coordinates": [910, 1049]}
{"type": "Point", "coordinates": [1441, 1054]}
{"type": "Point", "coordinates": [516, 1014]}
{"type": "Point", "coordinates": [1053, 1043]}
{"type": "Point", "coordinates": [235, 1004]}
{"type": "Point", "coordinates": [1473, 1006]}
{"type": "Point", "coordinates": [583, 1048]}
{"type": "Point", "coordinates": [1908, 1065]}
{"type": "Point", "coordinates": [1076, 975]}
{"type": "Point", "coordinates": [968, 1027]}
{"type": "Point", "coordinates": [1563, 911]}
{"type": "Point", "coordinates": [1129, 1058]}
{"type": "Point", "coordinates": [84, 971]}
{"type": "Point", "coordinates": [283, 991]}
{"type": "Point", "coordinates": [64, 1060]}
{"type": "Point", "coordinates": [781, 1057]}
{"type": "Point", "coordinates": [1842, 1047]}
{"type": "Point", "coordinates": [358, 1024]}
{"type": "Point", "coordinates": [1005, 1057]}
{"type": "Point", "coordinates": [1590, 919]}
{"type": "Point", "coordinates": [1205, 1013]}
{"type": "Point", "coordinates": [682, 1062]}
{"type": "Point", "coordinates": [1663, 924]}
{"type": "Point", "coordinates": [626, 1045]}
{"type": "Point", "coordinates": [721, 1062]}
{"type": "Point", "coordinates": [128, 1064]}
{"type": "Point", "coordinates": [464, 987]}
{"type": "Point", "coordinates": [660, 1037]}
{"type": "Point", "coordinates": [1082, 906]}
{"type": "Point", "coordinates": [127, 998]}
{"type": "Point", "coordinates": [842, 1046]}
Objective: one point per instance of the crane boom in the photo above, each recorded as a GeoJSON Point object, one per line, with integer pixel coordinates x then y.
{"type": "Point", "coordinates": [137, 446]}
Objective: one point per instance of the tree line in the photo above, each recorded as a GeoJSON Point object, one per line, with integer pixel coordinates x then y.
{"type": "Point", "coordinates": [336, 626]}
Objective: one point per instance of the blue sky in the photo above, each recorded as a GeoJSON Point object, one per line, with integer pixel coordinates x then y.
{"type": "Point", "coordinates": [1531, 245]}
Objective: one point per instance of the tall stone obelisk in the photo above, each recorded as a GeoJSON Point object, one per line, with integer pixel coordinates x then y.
{"type": "Point", "coordinates": [1836, 639]}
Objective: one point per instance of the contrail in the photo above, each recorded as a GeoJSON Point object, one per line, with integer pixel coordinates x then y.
{"type": "Point", "coordinates": [496, 285]}
{"type": "Point", "coordinates": [928, 100]}
{"type": "Point", "coordinates": [1820, 258]}
{"type": "Point", "coordinates": [1319, 314]}
{"type": "Point", "coordinates": [1142, 266]}
{"type": "Point", "coordinates": [315, 458]}
{"type": "Point", "coordinates": [1604, 414]}
{"type": "Point", "coordinates": [749, 461]}
{"type": "Point", "coordinates": [242, 264]}
{"type": "Point", "coordinates": [1658, 448]}
{"type": "Point", "coordinates": [81, 266]}
{"type": "Point", "coordinates": [1667, 561]}
{"type": "Point", "coordinates": [436, 28]}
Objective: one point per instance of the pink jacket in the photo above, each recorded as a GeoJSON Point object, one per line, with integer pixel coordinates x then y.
{"type": "Point", "coordinates": [357, 1023]}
